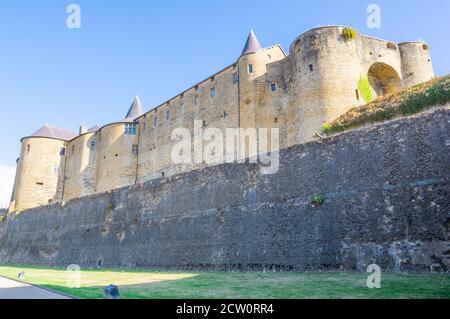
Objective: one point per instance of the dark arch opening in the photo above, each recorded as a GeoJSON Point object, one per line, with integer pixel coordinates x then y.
{"type": "Point", "coordinates": [384, 79]}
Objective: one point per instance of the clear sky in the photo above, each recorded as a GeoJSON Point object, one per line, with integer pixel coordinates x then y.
{"type": "Point", "coordinates": [156, 49]}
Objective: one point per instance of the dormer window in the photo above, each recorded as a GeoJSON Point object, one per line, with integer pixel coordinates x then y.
{"type": "Point", "coordinates": [130, 129]}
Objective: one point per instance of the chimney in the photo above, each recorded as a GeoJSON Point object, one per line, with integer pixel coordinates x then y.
{"type": "Point", "coordinates": [83, 129]}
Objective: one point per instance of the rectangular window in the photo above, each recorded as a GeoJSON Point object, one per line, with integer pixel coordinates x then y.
{"type": "Point", "coordinates": [311, 67]}
{"type": "Point", "coordinates": [130, 129]}
{"type": "Point", "coordinates": [62, 151]}
{"type": "Point", "coordinates": [55, 169]}
{"type": "Point", "coordinates": [213, 91]}
{"type": "Point", "coordinates": [92, 146]}
{"type": "Point", "coordinates": [250, 68]}
{"type": "Point", "coordinates": [273, 87]}
{"type": "Point", "coordinates": [167, 115]}
{"type": "Point", "coordinates": [135, 150]}
{"type": "Point", "coordinates": [357, 94]}
{"type": "Point", "coordinates": [155, 121]}
{"type": "Point", "coordinates": [73, 149]}
{"type": "Point", "coordinates": [28, 148]}
{"type": "Point", "coordinates": [196, 100]}
{"type": "Point", "coordinates": [235, 78]}
{"type": "Point", "coordinates": [181, 107]}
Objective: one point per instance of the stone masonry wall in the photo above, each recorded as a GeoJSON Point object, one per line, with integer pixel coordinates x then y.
{"type": "Point", "coordinates": [387, 201]}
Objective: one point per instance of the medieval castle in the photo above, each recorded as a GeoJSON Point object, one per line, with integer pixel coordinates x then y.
{"type": "Point", "coordinates": [328, 71]}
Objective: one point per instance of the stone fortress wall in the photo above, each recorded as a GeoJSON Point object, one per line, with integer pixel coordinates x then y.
{"type": "Point", "coordinates": [318, 81]}
{"type": "Point", "coordinates": [387, 202]}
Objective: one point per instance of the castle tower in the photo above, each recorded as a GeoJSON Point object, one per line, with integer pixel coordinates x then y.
{"type": "Point", "coordinates": [252, 67]}
{"type": "Point", "coordinates": [118, 151]}
{"type": "Point", "coordinates": [416, 63]}
{"type": "Point", "coordinates": [40, 168]}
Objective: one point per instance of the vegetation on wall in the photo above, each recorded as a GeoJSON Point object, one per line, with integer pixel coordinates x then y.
{"type": "Point", "coordinates": [318, 200]}
{"type": "Point", "coordinates": [349, 34]}
{"type": "Point", "coordinates": [365, 89]}
{"type": "Point", "coordinates": [414, 100]}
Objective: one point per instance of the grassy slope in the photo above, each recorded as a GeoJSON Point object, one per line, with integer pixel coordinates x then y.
{"type": "Point", "coordinates": [206, 285]}
{"type": "Point", "coordinates": [411, 101]}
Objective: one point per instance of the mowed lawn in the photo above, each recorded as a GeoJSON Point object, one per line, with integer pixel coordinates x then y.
{"type": "Point", "coordinates": [234, 285]}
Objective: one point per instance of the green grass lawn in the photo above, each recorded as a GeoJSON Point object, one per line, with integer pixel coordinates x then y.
{"type": "Point", "coordinates": [235, 285]}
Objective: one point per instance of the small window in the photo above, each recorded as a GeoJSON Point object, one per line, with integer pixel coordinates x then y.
{"type": "Point", "coordinates": [311, 67]}
{"type": "Point", "coordinates": [40, 183]}
{"type": "Point", "coordinates": [235, 78]}
{"type": "Point", "coordinates": [130, 128]}
{"type": "Point", "coordinates": [425, 47]}
{"type": "Point", "coordinates": [155, 121]}
{"type": "Point", "coordinates": [275, 120]}
{"type": "Point", "coordinates": [213, 91]}
{"type": "Point", "coordinates": [196, 100]}
{"type": "Point", "coordinates": [213, 78]}
{"type": "Point", "coordinates": [357, 94]}
{"type": "Point", "coordinates": [55, 169]}
{"type": "Point", "coordinates": [92, 146]}
{"type": "Point", "coordinates": [273, 87]}
{"type": "Point", "coordinates": [250, 68]}
{"type": "Point", "coordinates": [181, 107]}
{"type": "Point", "coordinates": [135, 150]}
{"type": "Point", "coordinates": [73, 149]}
{"type": "Point", "coordinates": [144, 126]}
{"type": "Point", "coordinates": [167, 115]}
{"type": "Point", "coordinates": [28, 148]}
{"type": "Point", "coordinates": [62, 151]}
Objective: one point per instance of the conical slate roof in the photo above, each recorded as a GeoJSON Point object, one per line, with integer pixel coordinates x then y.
{"type": "Point", "coordinates": [135, 110]}
{"type": "Point", "coordinates": [54, 132]}
{"type": "Point", "coordinates": [252, 44]}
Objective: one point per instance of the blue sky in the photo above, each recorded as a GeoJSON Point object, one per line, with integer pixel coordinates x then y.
{"type": "Point", "coordinates": [156, 49]}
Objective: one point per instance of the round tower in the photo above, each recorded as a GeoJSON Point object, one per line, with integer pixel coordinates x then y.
{"type": "Point", "coordinates": [416, 63]}
{"type": "Point", "coordinates": [40, 168]}
{"type": "Point", "coordinates": [118, 151]}
{"type": "Point", "coordinates": [251, 68]}
{"type": "Point", "coordinates": [326, 69]}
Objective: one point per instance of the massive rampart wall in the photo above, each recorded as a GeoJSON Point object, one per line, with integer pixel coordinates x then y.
{"type": "Point", "coordinates": [387, 201]}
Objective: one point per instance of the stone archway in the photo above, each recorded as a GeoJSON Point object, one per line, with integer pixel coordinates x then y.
{"type": "Point", "coordinates": [384, 79]}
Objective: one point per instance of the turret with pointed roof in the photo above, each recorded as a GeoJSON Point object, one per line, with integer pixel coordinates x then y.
{"type": "Point", "coordinates": [252, 44]}
{"type": "Point", "coordinates": [135, 110]}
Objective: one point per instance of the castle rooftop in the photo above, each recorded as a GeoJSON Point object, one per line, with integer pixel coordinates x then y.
{"type": "Point", "coordinates": [135, 110]}
{"type": "Point", "coordinates": [252, 44]}
{"type": "Point", "coordinates": [54, 132]}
